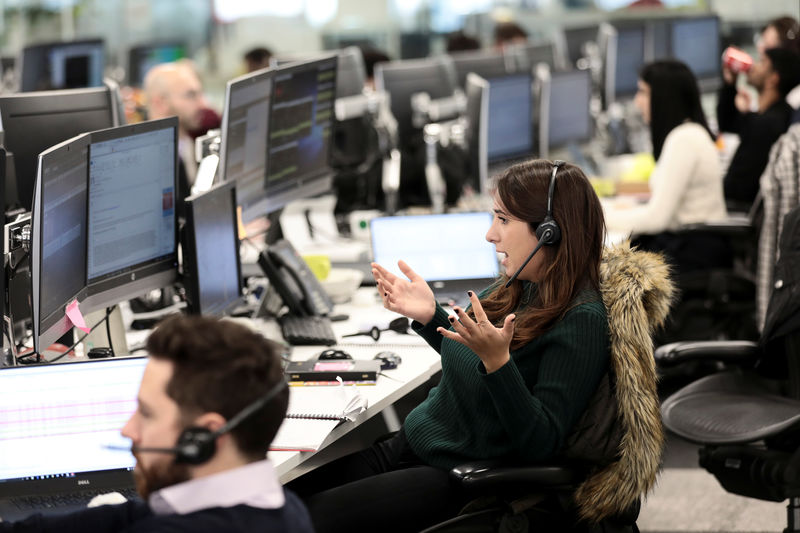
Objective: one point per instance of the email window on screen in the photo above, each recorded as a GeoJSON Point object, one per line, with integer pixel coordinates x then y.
{"type": "Point", "coordinates": [131, 201]}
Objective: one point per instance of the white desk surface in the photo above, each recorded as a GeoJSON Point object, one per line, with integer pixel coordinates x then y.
{"type": "Point", "coordinates": [420, 362]}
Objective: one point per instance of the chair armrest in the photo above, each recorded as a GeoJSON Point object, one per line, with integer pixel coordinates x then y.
{"type": "Point", "coordinates": [724, 351]}
{"type": "Point", "coordinates": [733, 226]}
{"type": "Point", "coordinates": [485, 476]}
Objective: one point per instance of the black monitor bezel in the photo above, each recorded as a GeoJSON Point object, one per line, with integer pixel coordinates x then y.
{"type": "Point", "coordinates": [707, 81]}
{"type": "Point", "coordinates": [134, 280]}
{"type": "Point", "coordinates": [517, 153]}
{"type": "Point", "coordinates": [258, 206]}
{"type": "Point", "coordinates": [54, 44]}
{"type": "Point", "coordinates": [309, 184]}
{"type": "Point", "coordinates": [44, 104]}
{"type": "Point", "coordinates": [191, 281]}
{"type": "Point", "coordinates": [48, 328]}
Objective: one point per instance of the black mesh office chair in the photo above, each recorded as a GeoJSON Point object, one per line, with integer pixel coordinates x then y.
{"type": "Point", "coordinates": [583, 491]}
{"type": "Point", "coordinates": [747, 417]}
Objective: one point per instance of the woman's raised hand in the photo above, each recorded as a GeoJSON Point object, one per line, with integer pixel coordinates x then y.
{"type": "Point", "coordinates": [490, 343]}
{"type": "Point", "coordinates": [410, 297]}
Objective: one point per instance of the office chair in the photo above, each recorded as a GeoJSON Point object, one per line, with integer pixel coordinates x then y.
{"type": "Point", "coordinates": [716, 289]}
{"type": "Point", "coordinates": [596, 482]}
{"type": "Point", "coordinates": [747, 416]}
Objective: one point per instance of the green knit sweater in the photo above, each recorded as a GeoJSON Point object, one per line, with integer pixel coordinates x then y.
{"type": "Point", "coordinates": [524, 410]}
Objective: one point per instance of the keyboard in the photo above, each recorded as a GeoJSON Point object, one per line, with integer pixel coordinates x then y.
{"type": "Point", "coordinates": [307, 330]}
{"type": "Point", "coordinates": [65, 500]}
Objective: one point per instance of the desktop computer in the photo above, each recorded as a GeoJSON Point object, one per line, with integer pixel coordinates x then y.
{"type": "Point", "coordinates": [62, 65]}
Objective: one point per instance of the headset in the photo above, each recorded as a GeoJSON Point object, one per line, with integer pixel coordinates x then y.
{"type": "Point", "coordinates": [548, 231]}
{"type": "Point", "coordinates": [196, 445]}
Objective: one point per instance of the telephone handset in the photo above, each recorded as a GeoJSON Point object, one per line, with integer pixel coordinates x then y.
{"type": "Point", "coordinates": [294, 281]}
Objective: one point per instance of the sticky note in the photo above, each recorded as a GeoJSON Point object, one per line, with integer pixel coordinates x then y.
{"type": "Point", "coordinates": [74, 315]}
{"type": "Point", "coordinates": [242, 231]}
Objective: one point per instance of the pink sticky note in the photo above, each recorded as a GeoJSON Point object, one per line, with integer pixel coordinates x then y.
{"type": "Point", "coordinates": [75, 316]}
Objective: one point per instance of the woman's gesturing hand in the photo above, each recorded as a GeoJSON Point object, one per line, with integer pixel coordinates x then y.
{"type": "Point", "coordinates": [481, 336]}
{"type": "Point", "coordinates": [410, 297]}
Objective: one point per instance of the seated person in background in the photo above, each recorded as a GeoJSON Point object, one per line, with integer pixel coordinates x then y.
{"type": "Point", "coordinates": [372, 57]}
{"type": "Point", "coordinates": [257, 58]}
{"type": "Point", "coordinates": [209, 118]}
{"type": "Point", "coordinates": [509, 33]}
{"type": "Point", "coordinates": [201, 374]}
{"type": "Point", "coordinates": [175, 89]}
{"type": "Point", "coordinates": [686, 184]}
{"type": "Point", "coordinates": [458, 41]}
{"type": "Point", "coordinates": [773, 76]}
{"type": "Point", "coordinates": [783, 32]}
{"type": "Point", "coordinates": [518, 367]}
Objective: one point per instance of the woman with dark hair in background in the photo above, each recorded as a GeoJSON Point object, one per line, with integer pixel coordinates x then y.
{"type": "Point", "coordinates": [686, 185]}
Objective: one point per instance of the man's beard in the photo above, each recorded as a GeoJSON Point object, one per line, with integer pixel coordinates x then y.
{"type": "Point", "coordinates": [158, 476]}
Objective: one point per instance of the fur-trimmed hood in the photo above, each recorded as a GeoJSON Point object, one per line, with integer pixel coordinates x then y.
{"type": "Point", "coordinates": [637, 293]}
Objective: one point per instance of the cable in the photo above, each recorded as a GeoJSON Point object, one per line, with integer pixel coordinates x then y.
{"type": "Point", "coordinates": [68, 350]}
{"type": "Point", "coordinates": [109, 310]}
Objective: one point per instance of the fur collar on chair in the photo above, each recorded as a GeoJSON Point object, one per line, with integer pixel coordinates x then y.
{"type": "Point", "coordinates": [637, 292]}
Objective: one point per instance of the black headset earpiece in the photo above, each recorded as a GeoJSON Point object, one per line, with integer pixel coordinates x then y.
{"type": "Point", "coordinates": [195, 446]}
{"type": "Point", "coordinates": [548, 231]}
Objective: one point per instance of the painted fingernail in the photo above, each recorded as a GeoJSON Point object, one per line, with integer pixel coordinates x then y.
{"type": "Point", "coordinates": [469, 293]}
{"type": "Point", "coordinates": [451, 318]}
{"type": "Point", "coordinates": [386, 294]}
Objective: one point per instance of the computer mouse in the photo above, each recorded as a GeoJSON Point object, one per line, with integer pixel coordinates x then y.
{"type": "Point", "coordinates": [330, 355]}
{"type": "Point", "coordinates": [388, 360]}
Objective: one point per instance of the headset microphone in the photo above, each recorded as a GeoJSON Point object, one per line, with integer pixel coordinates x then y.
{"type": "Point", "coordinates": [196, 445]}
{"type": "Point", "coordinates": [548, 231]}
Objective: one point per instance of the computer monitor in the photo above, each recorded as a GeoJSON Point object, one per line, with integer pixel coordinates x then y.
{"type": "Point", "coordinates": [696, 42]}
{"type": "Point", "coordinates": [351, 73]}
{"type": "Point", "coordinates": [623, 56]}
{"type": "Point", "coordinates": [300, 131]}
{"type": "Point", "coordinates": [527, 56]}
{"type": "Point", "coordinates": [510, 130]}
{"type": "Point", "coordinates": [63, 65]}
{"type": "Point", "coordinates": [658, 39]}
{"type": "Point", "coordinates": [33, 122]}
{"type": "Point", "coordinates": [132, 236]}
{"type": "Point", "coordinates": [576, 39]}
{"type": "Point", "coordinates": [564, 111]}
{"type": "Point", "coordinates": [144, 57]}
{"type": "Point", "coordinates": [211, 268]}
{"type": "Point", "coordinates": [477, 90]}
{"type": "Point", "coordinates": [486, 64]}
{"type": "Point", "coordinates": [58, 238]}
{"type": "Point", "coordinates": [243, 150]}
{"type": "Point", "coordinates": [401, 79]}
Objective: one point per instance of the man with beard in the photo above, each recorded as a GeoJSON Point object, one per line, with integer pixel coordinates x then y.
{"type": "Point", "coordinates": [211, 399]}
{"type": "Point", "coordinates": [775, 74]}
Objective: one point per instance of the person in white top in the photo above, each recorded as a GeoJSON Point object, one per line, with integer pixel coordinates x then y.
{"type": "Point", "coordinates": [686, 184]}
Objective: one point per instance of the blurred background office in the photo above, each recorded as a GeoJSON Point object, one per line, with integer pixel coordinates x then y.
{"type": "Point", "coordinates": [218, 33]}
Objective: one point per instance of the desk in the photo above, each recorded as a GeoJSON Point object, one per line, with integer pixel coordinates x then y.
{"type": "Point", "coordinates": [420, 363]}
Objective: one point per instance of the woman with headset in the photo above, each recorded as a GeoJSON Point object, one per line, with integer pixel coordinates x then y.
{"type": "Point", "coordinates": [686, 184]}
{"type": "Point", "coordinates": [519, 366]}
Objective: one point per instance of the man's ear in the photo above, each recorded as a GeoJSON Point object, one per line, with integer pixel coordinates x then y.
{"type": "Point", "coordinates": [210, 421]}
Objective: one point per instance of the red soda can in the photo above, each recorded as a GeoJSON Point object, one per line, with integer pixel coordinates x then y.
{"type": "Point", "coordinates": [736, 60]}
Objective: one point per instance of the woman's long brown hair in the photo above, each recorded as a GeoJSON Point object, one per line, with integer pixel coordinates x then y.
{"type": "Point", "coordinates": [571, 265]}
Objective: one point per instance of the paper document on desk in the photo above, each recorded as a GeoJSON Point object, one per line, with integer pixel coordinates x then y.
{"type": "Point", "coordinates": [312, 414]}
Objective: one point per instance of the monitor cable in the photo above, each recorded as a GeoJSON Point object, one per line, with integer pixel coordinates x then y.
{"type": "Point", "coordinates": [39, 359]}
